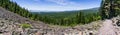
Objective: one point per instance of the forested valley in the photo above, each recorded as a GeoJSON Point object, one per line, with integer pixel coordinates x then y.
{"type": "Point", "coordinates": [70, 18]}
{"type": "Point", "coordinates": [62, 19]}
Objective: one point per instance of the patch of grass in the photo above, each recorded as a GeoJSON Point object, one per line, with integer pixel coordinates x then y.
{"type": "Point", "coordinates": [25, 25]}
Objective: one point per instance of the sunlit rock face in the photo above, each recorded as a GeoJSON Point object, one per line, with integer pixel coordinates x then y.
{"type": "Point", "coordinates": [110, 8]}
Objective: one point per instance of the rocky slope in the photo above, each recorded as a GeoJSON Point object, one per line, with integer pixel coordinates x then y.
{"type": "Point", "coordinates": [12, 20]}
{"type": "Point", "coordinates": [17, 18]}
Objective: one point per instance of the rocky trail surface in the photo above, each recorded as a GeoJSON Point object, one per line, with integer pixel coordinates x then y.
{"type": "Point", "coordinates": [107, 28]}
{"type": "Point", "coordinates": [110, 27]}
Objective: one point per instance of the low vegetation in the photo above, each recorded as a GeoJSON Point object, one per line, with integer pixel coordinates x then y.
{"type": "Point", "coordinates": [24, 25]}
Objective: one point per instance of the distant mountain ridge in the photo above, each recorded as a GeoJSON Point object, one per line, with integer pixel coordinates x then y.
{"type": "Point", "coordinates": [67, 13]}
{"type": "Point", "coordinates": [94, 9]}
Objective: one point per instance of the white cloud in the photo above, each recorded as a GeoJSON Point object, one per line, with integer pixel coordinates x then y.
{"type": "Point", "coordinates": [62, 2]}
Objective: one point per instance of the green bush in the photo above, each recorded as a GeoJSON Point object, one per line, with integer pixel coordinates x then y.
{"type": "Point", "coordinates": [24, 25]}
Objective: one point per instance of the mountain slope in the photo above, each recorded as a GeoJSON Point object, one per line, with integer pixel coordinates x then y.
{"type": "Point", "coordinates": [11, 26]}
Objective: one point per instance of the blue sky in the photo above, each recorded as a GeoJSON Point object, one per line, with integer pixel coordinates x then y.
{"type": "Point", "coordinates": [58, 5]}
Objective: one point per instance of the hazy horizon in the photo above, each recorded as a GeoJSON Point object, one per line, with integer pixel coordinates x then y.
{"type": "Point", "coordinates": [58, 5]}
{"type": "Point", "coordinates": [62, 11]}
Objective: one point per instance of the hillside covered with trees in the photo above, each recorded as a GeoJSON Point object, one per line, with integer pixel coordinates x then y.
{"type": "Point", "coordinates": [71, 18]}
